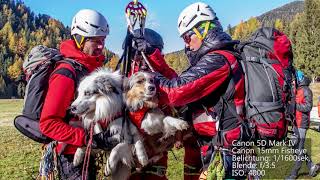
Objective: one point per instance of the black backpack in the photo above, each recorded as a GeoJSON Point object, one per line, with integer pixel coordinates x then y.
{"type": "Point", "coordinates": [38, 67]}
{"type": "Point", "coordinates": [266, 59]}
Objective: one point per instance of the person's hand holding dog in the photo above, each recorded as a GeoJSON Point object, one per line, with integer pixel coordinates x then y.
{"type": "Point", "coordinates": [105, 140]}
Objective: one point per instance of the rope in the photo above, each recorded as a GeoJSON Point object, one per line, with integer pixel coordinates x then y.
{"type": "Point", "coordinates": [86, 161]}
{"type": "Point", "coordinates": [47, 163]}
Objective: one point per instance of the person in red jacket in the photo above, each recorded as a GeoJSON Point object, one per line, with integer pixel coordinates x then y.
{"type": "Point", "coordinates": [88, 30]}
{"type": "Point", "coordinates": [212, 87]}
{"type": "Point", "coordinates": [302, 123]}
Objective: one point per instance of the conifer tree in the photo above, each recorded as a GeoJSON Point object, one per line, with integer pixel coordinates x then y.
{"type": "Point", "coordinates": [306, 37]}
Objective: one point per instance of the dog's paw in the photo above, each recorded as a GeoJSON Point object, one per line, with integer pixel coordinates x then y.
{"type": "Point", "coordinates": [128, 160]}
{"type": "Point", "coordinates": [141, 153]}
{"type": "Point", "coordinates": [173, 124]}
{"type": "Point", "coordinates": [143, 160]}
{"type": "Point", "coordinates": [112, 162]}
{"type": "Point", "coordinates": [78, 157]}
{"type": "Point", "coordinates": [107, 169]}
{"type": "Point", "coordinates": [183, 125]}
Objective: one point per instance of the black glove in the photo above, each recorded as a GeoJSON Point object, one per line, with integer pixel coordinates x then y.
{"type": "Point", "coordinates": [105, 140]}
{"type": "Point", "coordinates": [142, 45]}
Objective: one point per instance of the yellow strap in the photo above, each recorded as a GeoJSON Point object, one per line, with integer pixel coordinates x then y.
{"type": "Point", "coordinates": [197, 33]}
{"type": "Point", "coordinates": [206, 29]}
{"type": "Point", "coordinates": [128, 12]}
{"type": "Point", "coordinates": [78, 43]}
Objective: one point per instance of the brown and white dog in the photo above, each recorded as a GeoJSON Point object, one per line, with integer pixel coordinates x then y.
{"type": "Point", "coordinates": [141, 99]}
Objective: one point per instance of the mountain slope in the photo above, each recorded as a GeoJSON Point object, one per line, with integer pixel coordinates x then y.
{"type": "Point", "coordinates": [284, 13]}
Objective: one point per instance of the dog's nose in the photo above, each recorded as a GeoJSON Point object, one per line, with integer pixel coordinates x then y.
{"type": "Point", "coordinates": [73, 109]}
{"type": "Point", "coordinates": [151, 88]}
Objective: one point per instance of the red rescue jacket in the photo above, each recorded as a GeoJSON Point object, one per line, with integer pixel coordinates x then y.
{"type": "Point", "coordinates": [303, 104]}
{"type": "Point", "coordinates": [60, 95]}
{"type": "Point", "coordinates": [209, 77]}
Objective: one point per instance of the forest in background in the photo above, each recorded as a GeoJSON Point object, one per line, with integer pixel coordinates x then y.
{"type": "Point", "coordinates": [21, 29]}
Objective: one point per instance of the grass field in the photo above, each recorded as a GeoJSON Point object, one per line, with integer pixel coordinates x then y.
{"type": "Point", "coordinates": [316, 92]}
{"type": "Point", "coordinates": [19, 156]}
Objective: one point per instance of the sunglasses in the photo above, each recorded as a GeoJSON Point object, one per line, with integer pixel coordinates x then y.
{"type": "Point", "coordinates": [187, 37]}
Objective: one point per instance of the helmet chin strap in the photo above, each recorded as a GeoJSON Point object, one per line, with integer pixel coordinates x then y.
{"type": "Point", "coordinates": [206, 29]}
{"type": "Point", "coordinates": [79, 40]}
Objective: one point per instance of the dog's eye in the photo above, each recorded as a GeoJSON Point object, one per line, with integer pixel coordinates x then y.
{"type": "Point", "coordinates": [90, 93]}
{"type": "Point", "coordinates": [141, 81]}
{"type": "Point", "coordinates": [151, 81]}
{"type": "Point", "coordinates": [87, 93]}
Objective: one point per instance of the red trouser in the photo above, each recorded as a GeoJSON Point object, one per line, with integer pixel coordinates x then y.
{"type": "Point", "coordinates": [156, 171]}
{"type": "Point", "coordinates": [192, 159]}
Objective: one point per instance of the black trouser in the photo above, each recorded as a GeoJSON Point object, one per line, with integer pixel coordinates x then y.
{"type": "Point", "coordinates": [300, 134]}
{"type": "Point", "coordinates": [69, 172]}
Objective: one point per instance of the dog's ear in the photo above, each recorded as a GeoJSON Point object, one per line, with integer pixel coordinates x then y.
{"type": "Point", "coordinates": [103, 85]}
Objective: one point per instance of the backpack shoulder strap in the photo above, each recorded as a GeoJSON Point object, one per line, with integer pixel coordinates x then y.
{"type": "Point", "coordinates": [231, 57]}
{"type": "Point", "coordinates": [65, 70]}
{"type": "Point", "coordinates": [76, 72]}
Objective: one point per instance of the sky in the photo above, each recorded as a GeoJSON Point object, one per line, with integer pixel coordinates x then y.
{"type": "Point", "coordinates": [162, 15]}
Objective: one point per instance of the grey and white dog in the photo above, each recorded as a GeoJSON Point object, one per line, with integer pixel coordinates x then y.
{"type": "Point", "coordinates": [100, 100]}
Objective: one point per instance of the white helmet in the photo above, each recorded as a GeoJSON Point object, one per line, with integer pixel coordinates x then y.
{"type": "Point", "coordinates": [193, 14]}
{"type": "Point", "coordinates": [89, 23]}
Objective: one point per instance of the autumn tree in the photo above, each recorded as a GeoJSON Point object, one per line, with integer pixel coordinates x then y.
{"type": "Point", "coordinates": [244, 30]}
{"type": "Point", "coordinates": [278, 24]}
{"type": "Point", "coordinates": [15, 69]}
{"type": "Point", "coordinates": [239, 31]}
{"type": "Point", "coordinates": [112, 63]}
{"type": "Point", "coordinates": [251, 25]}
{"type": "Point", "coordinates": [20, 30]}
